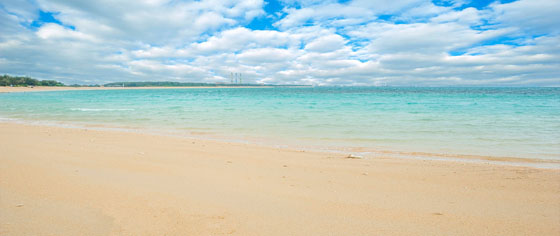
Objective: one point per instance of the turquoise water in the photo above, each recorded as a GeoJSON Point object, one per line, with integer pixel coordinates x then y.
{"type": "Point", "coordinates": [505, 122]}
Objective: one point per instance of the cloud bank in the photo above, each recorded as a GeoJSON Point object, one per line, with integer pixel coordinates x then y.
{"type": "Point", "coordinates": [357, 42]}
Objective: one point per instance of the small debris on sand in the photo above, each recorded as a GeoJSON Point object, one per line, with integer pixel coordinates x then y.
{"type": "Point", "coordinates": [19, 205]}
{"type": "Point", "coordinates": [352, 156]}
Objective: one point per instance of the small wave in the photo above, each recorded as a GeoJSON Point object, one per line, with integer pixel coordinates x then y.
{"type": "Point", "coordinates": [101, 109]}
{"type": "Point", "coordinates": [5, 119]}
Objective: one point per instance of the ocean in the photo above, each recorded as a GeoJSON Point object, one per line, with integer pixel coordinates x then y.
{"type": "Point", "coordinates": [367, 121]}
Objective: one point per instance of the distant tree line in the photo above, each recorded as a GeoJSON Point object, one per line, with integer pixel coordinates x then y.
{"type": "Point", "coordinates": [7, 80]}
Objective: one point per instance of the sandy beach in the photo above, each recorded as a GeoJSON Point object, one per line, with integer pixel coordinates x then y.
{"type": "Point", "coordinates": [69, 181]}
{"type": "Point", "coordinates": [280, 118]}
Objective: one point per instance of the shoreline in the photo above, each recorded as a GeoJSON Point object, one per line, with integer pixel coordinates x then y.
{"type": "Point", "coordinates": [69, 181]}
{"type": "Point", "coordinates": [4, 89]}
{"type": "Point", "coordinates": [538, 163]}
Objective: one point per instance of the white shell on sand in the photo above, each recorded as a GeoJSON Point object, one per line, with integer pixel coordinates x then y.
{"type": "Point", "coordinates": [352, 156]}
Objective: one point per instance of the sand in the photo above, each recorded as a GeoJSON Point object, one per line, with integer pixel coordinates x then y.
{"type": "Point", "coordinates": [70, 181]}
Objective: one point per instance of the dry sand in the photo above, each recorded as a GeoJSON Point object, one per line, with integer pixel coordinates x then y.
{"type": "Point", "coordinates": [68, 181]}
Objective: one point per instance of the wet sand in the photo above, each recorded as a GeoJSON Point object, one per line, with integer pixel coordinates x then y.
{"type": "Point", "coordinates": [70, 181]}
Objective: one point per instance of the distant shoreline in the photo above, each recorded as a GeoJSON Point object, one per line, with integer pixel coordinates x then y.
{"type": "Point", "coordinates": [6, 89]}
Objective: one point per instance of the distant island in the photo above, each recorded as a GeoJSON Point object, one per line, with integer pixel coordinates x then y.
{"type": "Point", "coordinates": [23, 81]}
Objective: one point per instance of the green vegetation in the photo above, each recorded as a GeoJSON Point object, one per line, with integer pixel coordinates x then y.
{"type": "Point", "coordinates": [6, 80]}
{"type": "Point", "coordinates": [84, 85]}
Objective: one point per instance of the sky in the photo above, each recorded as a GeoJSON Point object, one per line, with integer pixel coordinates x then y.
{"type": "Point", "coordinates": [316, 42]}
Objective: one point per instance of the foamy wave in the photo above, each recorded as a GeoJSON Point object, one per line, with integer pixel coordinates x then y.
{"type": "Point", "coordinates": [101, 109]}
{"type": "Point", "coordinates": [5, 119]}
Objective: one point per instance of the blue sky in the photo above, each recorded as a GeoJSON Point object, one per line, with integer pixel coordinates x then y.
{"type": "Point", "coordinates": [328, 42]}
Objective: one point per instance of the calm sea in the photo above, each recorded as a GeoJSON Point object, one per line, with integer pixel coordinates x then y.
{"type": "Point", "coordinates": [499, 122]}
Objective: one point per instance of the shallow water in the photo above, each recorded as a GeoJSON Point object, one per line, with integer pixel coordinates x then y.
{"type": "Point", "coordinates": [508, 122]}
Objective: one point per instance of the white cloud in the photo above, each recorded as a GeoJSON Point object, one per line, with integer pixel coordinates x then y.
{"type": "Point", "coordinates": [327, 43]}
{"type": "Point", "coordinates": [532, 16]}
{"type": "Point", "coordinates": [387, 6]}
{"type": "Point", "coordinates": [422, 37]}
{"type": "Point", "coordinates": [56, 32]}
{"type": "Point", "coordinates": [337, 14]}
{"type": "Point", "coordinates": [265, 55]}
{"type": "Point", "coordinates": [242, 38]}
{"type": "Point", "coordinates": [24, 10]}
{"type": "Point", "coordinates": [467, 16]}
{"type": "Point", "coordinates": [317, 42]}
{"type": "Point", "coordinates": [211, 20]}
